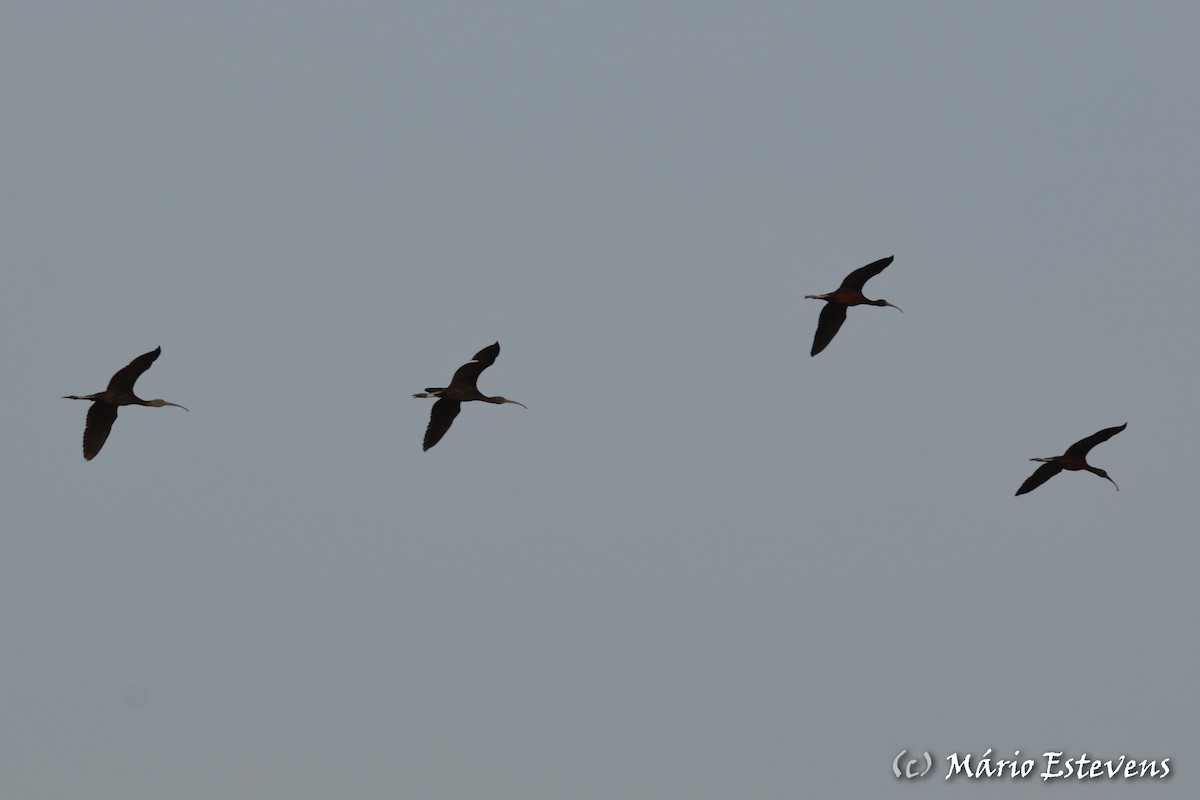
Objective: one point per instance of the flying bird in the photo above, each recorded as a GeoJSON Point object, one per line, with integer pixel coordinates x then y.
{"type": "Point", "coordinates": [461, 389]}
{"type": "Point", "coordinates": [1074, 459]}
{"type": "Point", "coordinates": [103, 413]}
{"type": "Point", "coordinates": [848, 294]}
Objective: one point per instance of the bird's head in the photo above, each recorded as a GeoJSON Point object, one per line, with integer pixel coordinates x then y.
{"type": "Point", "coordinates": [501, 400]}
{"type": "Point", "coordinates": [1104, 475]}
{"type": "Point", "coordinates": [161, 403]}
{"type": "Point", "coordinates": [882, 302]}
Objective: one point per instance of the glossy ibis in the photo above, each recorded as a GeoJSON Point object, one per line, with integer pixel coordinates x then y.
{"type": "Point", "coordinates": [846, 295]}
{"type": "Point", "coordinates": [461, 389]}
{"type": "Point", "coordinates": [103, 413]}
{"type": "Point", "coordinates": [1074, 459]}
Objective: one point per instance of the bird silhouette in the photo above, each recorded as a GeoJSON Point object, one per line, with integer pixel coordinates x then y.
{"type": "Point", "coordinates": [462, 389]}
{"type": "Point", "coordinates": [1074, 459]}
{"type": "Point", "coordinates": [848, 294]}
{"type": "Point", "coordinates": [103, 412]}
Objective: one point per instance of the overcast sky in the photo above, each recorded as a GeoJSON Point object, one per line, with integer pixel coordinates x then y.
{"type": "Point", "coordinates": [702, 564]}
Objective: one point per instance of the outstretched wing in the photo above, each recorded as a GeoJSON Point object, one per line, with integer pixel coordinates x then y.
{"type": "Point", "coordinates": [832, 317]}
{"type": "Point", "coordinates": [127, 375]}
{"type": "Point", "coordinates": [468, 373]}
{"type": "Point", "coordinates": [855, 280]}
{"type": "Point", "coordinates": [100, 419]}
{"type": "Point", "coordinates": [440, 418]}
{"type": "Point", "coordinates": [1082, 447]}
{"type": "Point", "coordinates": [1040, 475]}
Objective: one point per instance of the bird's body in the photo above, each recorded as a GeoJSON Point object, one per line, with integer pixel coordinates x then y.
{"type": "Point", "coordinates": [462, 389]}
{"type": "Point", "coordinates": [1074, 459]}
{"type": "Point", "coordinates": [848, 294]}
{"type": "Point", "coordinates": [103, 411]}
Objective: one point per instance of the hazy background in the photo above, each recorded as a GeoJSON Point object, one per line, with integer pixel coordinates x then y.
{"type": "Point", "coordinates": [702, 564]}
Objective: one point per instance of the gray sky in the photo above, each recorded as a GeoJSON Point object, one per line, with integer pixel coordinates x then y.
{"type": "Point", "coordinates": [702, 564]}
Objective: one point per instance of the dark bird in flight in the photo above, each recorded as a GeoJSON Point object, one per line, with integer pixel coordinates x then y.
{"type": "Point", "coordinates": [1074, 459]}
{"type": "Point", "coordinates": [103, 413]}
{"type": "Point", "coordinates": [848, 294]}
{"type": "Point", "coordinates": [461, 389]}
